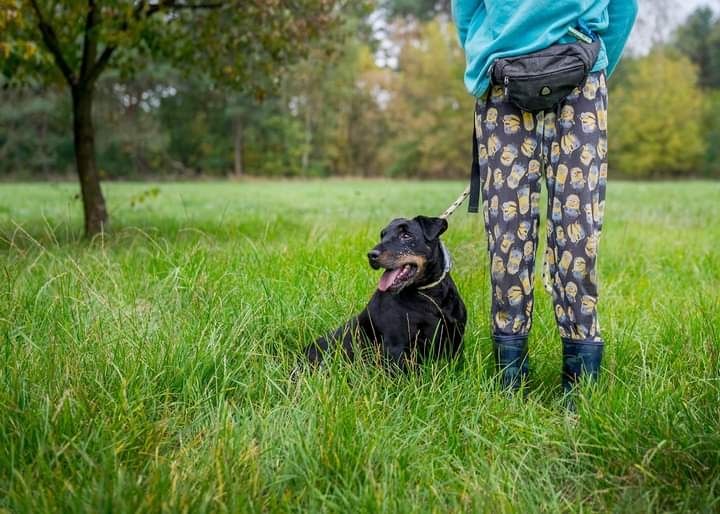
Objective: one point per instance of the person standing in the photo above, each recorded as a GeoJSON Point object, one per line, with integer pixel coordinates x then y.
{"type": "Point", "coordinates": [515, 142]}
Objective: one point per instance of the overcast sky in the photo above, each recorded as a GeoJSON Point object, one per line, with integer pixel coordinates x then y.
{"type": "Point", "coordinates": [688, 6]}
{"type": "Point", "coordinates": [658, 18]}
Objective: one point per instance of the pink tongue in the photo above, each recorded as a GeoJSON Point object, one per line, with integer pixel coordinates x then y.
{"type": "Point", "coordinates": [387, 278]}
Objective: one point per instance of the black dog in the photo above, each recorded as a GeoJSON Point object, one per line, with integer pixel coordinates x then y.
{"type": "Point", "coordinates": [416, 312]}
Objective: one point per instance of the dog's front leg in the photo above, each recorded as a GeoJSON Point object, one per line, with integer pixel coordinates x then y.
{"type": "Point", "coordinates": [346, 336]}
{"type": "Point", "coordinates": [341, 336]}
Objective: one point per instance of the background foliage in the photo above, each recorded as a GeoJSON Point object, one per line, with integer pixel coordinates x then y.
{"type": "Point", "coordinates": [386, 100]}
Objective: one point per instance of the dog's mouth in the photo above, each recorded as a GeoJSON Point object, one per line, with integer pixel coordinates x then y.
{"type": "Point", "coordinates": [395, 279]}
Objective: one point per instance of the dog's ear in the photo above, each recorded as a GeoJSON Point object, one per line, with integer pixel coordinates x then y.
{"type": "Point", "coordinates": [432, 227]}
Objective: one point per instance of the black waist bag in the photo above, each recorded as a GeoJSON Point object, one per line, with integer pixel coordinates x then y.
{"type": "Point", "coordinates": [542, 79]}
{"type": "Point", "coordinates": [536, 82]}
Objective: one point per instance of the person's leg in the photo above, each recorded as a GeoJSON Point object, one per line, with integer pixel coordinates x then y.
{"type": "Point", "coordinates": [576, 199]}
{"type": "Point", "coordinates": [508, 147]}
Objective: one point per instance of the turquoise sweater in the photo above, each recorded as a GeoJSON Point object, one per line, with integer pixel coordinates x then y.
{"type": "Point", "coordinates": [489, 29]}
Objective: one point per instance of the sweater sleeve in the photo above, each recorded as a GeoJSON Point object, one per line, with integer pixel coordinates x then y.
{"type": "Point", "coordinates": [621, 14]}
{"type": "Point", "coordinates": [463, 12]}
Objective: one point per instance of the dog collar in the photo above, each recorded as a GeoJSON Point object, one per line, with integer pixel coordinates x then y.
{"type": "Point", "coordinates": [446, 268]}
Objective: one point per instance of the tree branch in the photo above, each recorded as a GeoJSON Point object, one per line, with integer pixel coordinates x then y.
{"type": "Point", "coordinates": [142, 10]}
{"type": "Point", "coordinates": [195, 6]}
{"type": "Point", "coordinates": [174, 5]}
{"type": "Point", "coordinates": [99, 66]}
{"type": "Point", "coordinates": [89, 40]}
{"type": "Point", "coordinates": [53, 45]}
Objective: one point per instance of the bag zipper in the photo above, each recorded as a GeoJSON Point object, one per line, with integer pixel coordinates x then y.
{"type": "Point", "coordinates": [543, 53]}
{"type": "Point", "coordinates": [506, 79]}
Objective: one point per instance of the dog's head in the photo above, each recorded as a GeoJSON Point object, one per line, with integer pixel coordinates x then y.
{"type": "Point", "coordinates": [410, 252]}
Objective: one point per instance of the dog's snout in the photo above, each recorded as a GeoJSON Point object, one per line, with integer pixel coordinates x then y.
{"type": "Point", "coordinates": [374, 254]}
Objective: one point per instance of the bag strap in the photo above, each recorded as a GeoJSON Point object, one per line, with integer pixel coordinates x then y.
{"type": "Point", "coordinates": [474, 202]}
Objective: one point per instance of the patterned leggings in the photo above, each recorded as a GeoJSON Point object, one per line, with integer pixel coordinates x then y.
{"type": "Point", "coordinates": [514, 147]}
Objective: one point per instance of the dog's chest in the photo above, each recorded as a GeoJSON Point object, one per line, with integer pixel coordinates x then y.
{"type": "Point", "coordinates": [409, 312]}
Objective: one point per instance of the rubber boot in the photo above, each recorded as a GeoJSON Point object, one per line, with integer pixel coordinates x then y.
{"type": "Point", "coordinates": [511, 360]}
{"type": "Point", "coordinates": [580, 359]}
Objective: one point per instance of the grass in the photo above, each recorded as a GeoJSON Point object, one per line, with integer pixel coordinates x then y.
{"type": "Point", "coordinates": [147, 371]}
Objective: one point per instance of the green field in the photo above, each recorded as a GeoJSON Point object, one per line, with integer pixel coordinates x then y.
{"type": "Point", "coordinates": [147, 370]}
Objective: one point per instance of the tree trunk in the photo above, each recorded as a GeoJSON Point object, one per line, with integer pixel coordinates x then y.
{"type": "Point", "coordinates": [308, 139]}
{"type": "Point", "coordinates": [45, 147]}
{"type": "Point", "coordinates": [96, 216]}
{"type": "Point", "coordinates": [238, 146]}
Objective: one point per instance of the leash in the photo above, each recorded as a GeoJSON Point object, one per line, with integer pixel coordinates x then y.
{"type": "Point", "coordinates": [442, 315]}
{"type": "Point", "coordinates": [457, 203]}
{"type": "Point", "coordinates": [446, 267]}
{"type": "Point", "coordinates": [428, 286]}
{"type": "Point", "coordinates": [472, 190]}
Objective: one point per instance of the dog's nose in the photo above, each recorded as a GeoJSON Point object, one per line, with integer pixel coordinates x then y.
{"type": "Point", "coordinates": [374, 254]}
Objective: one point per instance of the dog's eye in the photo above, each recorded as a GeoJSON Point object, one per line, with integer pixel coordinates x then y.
{"type": "Point", "coordinates": [405, 236]}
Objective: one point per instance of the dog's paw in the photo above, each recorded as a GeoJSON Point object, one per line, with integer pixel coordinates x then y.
{"type": "Point", "coordinates": [302, 368]}
{"type": "Point", "coordinates": [296, 373]}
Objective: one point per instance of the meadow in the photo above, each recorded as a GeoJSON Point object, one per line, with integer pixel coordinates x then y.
{"type": "Point", "coordinates": [147, 370]}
